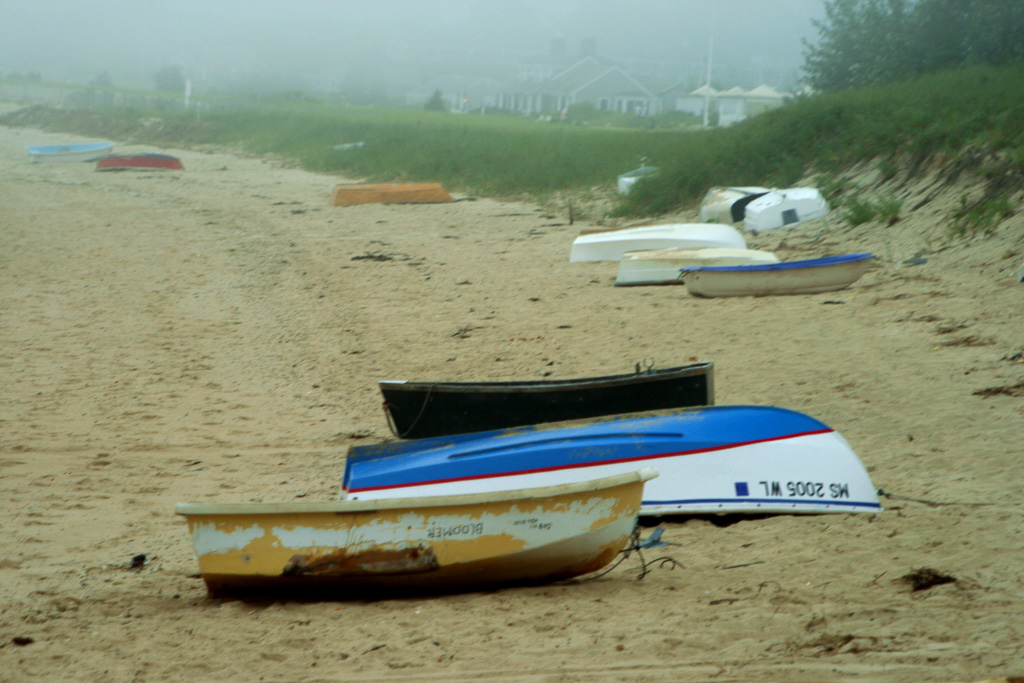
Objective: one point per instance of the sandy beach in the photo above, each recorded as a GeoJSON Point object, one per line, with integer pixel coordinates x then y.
{"type": "Point", "coordinates": [217, 335]}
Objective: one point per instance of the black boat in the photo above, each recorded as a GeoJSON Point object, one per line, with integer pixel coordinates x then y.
{"type": "Point", "coordinates": [424, 409]}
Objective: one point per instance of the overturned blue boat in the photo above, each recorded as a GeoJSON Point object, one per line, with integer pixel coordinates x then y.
{"type": "Point", "coordinates": [712, 460]}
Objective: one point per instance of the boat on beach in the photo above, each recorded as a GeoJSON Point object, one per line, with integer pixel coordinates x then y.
{"type": "Point", "coordinates": [147, 162]}
{"type": "Point", "coordinates": [426, 409]}
{"type": "Point", "coordinates": [613, 244]}
{"type": "Point", "coordinates": [662, 266]}
{"type": "Point", "coordinates": [348, 194]}
{"type": "Point", "coordinates": [727, 204]}
{"type": "Point", "coordinates": [762, 208]}
{"type": "Point", "coordinates": [441, 543]}
{"type": "Point", "coordinates": [808, 276]}
{"type": "Point", "coordinates": [783, 209]}
{"type": "Point", "coordinates": [83, 151]}
{"type": "Point", "coordinates": [711, 460]}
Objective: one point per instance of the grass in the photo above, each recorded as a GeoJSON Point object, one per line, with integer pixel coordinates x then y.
{"type": "Point", "coordinates": [515, 156]}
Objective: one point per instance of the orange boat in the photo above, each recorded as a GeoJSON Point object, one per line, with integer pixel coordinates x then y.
{"type": "Point", "coordinates": [397, 193]}
{"type": "Point", "coordinates": [140, 161]}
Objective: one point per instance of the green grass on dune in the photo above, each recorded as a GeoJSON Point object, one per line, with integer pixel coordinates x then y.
{"type": "Point", "coordinates": [508, 155]}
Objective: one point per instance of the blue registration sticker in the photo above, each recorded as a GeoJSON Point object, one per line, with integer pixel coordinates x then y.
{"type": "Point", "coordinates": [741, 489]}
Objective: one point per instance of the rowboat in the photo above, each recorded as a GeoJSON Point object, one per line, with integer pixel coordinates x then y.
{"type": "Point", "coordinates": [783, 209]}
{"type": "Point", "coordinates": [807, 276]}
{"type": "Point", "coordinates": [727, 204]}
{"type": "Point", "coordinates": [712, 460]}
{"type": "Point", "coordinates": [613, 244]}
{"type": "Point", "coordinates": [147, 162]}
{"type": "Point", "coordinates": [440, 543]}
{"type": "Point", "coordinates": [395, 193]}
{"type": "Point", "coordinates": [662, 266]}
{"type": "Point", "coordinates": [626, 181]}
{"type": "Point", "coordinates": [762, 208]}
{"type": "Point", "coordinates": [84, 151]}
{"type": "Point", "coordinates": [425, 409]}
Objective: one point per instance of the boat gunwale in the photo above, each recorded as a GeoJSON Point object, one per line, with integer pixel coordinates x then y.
{"type": "Point", "coordinates": [348, 506]}
{"type": "Point", "coordinates": [843, 259]}
{"type": "Point", "coordinates": [546, 385]}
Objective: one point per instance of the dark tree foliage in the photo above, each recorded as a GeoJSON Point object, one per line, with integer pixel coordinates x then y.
{"type": "Point", "coordinates": [169, 79]}
{"type": "Point", "coordinates": [436, 102]}
{"type": "Point", "coordinates": [866, 42]}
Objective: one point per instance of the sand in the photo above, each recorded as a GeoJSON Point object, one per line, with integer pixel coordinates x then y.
{"type": "Point", "coordinates": [217, 335]}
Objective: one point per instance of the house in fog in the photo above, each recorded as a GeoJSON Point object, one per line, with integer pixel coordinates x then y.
{"type": "Point", "coordinates": [552, 84]}
{"type": "Point", "coordinates": [731, 106]}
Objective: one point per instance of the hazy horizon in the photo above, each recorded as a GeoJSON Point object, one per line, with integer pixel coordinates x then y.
{"type": "Point", "coordinates": [395, 39]}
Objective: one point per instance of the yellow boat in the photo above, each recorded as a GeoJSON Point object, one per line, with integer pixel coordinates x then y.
{"type": "Point", "coordinates": [393, 193]}
{"type": "Point", "coordinates": [415, 544]}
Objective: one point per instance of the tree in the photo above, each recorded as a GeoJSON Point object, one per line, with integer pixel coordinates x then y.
{"type": "Point", "coordinates": [864, 42]}
{"type": "Point", "coordinates": [436, 102]}
{"type": "Point", "coordinates": [169, 79]}
{"type": "Point", "coordinates": [859, 44]}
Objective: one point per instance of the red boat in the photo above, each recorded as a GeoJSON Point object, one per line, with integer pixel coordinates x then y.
{"type": "Point", "coordinates": [143, 161]}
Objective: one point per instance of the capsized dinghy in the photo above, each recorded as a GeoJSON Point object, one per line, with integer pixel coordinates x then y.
{"type": "Point", "coordinates": [440, 543]}
{"type": "Point", "coordinates": [394, 193]}
{"type": "Point", "coordinates": [662, 266]}
{"type": "Point", "coordinates": [808, 276]}
{"type": "Point", "coordinates": [613, 244]}
{"type": "Point", "coordinates": [783, 209]}
{"type": "Point", "coordinates": [424, 409]}
{"type": "Point", "coordinates": [727, 204]}
{"type": "Point", "coordinates": [83, 151]}
{"type": "Point", "coordinates": [719, 459]}
{"type": "Point", "coordinates": [146, 162]}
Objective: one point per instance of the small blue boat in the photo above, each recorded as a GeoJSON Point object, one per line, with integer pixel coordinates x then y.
{"type": "Point", "coordinates": [808, 276]}
{"type": "Point", "coordinates": [85, 151]}
{"type": "Point", "coordinates": [718, 459]}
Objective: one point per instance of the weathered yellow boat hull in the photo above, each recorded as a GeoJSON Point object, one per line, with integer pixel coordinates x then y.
{"type": "Point", "coordinates": [442, 543]}
{"type": "Point", "coordinates": [393, 193]}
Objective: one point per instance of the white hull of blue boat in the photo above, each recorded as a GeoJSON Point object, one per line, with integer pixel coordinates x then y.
{"type": "Point", "coordinates": [774, 461]}
{"type": "Point", "coordinates": [87, 151]}
{"type": "Point", "coordinates": [810, 276]}
{"type": "Point", "coordinates": [612, 245]}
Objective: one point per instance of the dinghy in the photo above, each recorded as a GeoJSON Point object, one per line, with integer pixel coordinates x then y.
{"type": "Point", "coordinates": [761, 208]}
{"type": "Point", "coordinates": [718, 459]}
{"type": "Point", "coordinates": [808, 276]}
{"type": "Point", "coordinates": [783, 209]}
{"type": "Point", "coordinates": [662, 266]}
{"type": "Point", "coordinates": [395, 193]}
{"type": "Point", "coordinates": [626, 181]}
{"type": "Point", "coordinates": [147, 162]}
{"type": "Point", "coordinates": [424, 409]}
{"type": "Point", "coordinates": [613, 244]}
{"type": "Point", "coordinates": [84, 151]}
{"type": "Point", "coordinates": [440, 543]}
{"type": "Point", "coordinates": [727, 204]}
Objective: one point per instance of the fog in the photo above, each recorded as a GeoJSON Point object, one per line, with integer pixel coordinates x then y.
{"type": "Point", "coordinates": [323, 44]}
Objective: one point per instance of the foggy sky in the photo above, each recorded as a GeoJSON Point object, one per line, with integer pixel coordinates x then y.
{"type": "Point", "coordinates": [75, 39]}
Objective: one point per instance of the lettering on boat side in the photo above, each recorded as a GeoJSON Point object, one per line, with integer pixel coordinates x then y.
{"type": "Point", "coordinates": [533, 523]}
{"type": "Point", "coordinates": [805, 489]}
{"type": "Point", "coordinates": [456, 530]}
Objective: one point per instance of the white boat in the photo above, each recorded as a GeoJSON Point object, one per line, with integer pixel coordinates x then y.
{"type": "Point", "coordinates": [762, 208]}
{"type": "Point", "coordinates": [711, 460]}
{"type": "Point", "coordinates": [613, 244]}
{"type": "Point", "coordinates": [626, 181]}
{"type": "Point", "coordinates": [662, 266]}
{"type": "Point", "coordinates": [85, 151]}
{"type": "Point", "coordinates": [784, 208]}
{"type": "Point", "coordinates": [726, 204]}
{"type": "Point", "coordinates": [441, 543]}
{"type": "Point", "coordinates": [808, 276]}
